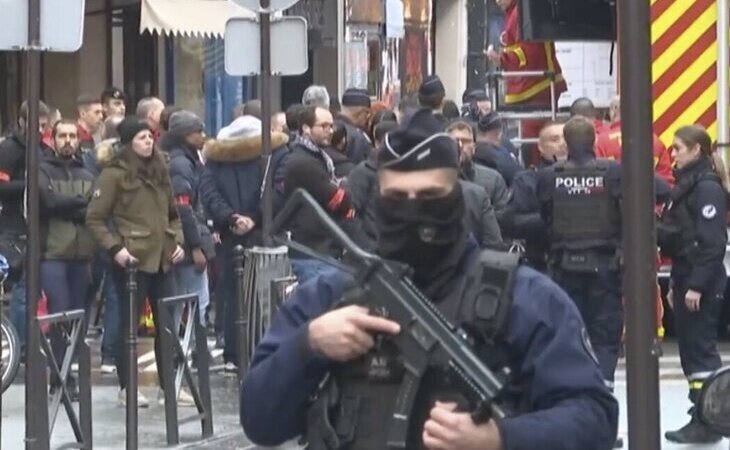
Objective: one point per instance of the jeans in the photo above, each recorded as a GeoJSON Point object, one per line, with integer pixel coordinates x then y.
{"type": "Point", "coordinates": [189, 281]}
{"type": "Point", "coordinates": [66, 284]}
{"type": "Point", "coordinates": [18, 309]}
{"type": "Point", "coordinates": [112, 321]}
{"type": "Point", "coordinates": [152, 286]}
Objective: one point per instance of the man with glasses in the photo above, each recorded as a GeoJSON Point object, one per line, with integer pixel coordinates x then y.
{"type": "Point", "coordinates": [492, 182]}
{"type": "Point", "coordinates": [311, 168]}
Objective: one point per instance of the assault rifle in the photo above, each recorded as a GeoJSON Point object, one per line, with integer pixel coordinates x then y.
{"type": "Point", "coordinates": [427, 339]}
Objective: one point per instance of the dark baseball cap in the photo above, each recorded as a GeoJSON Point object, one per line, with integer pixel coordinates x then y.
{"type": "Point", "coordinates": [112, 93]}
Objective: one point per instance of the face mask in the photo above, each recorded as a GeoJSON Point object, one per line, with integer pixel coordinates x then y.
{"type": "Point", "coordinates": [420, 232]}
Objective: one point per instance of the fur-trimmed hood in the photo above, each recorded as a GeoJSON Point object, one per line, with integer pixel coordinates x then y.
{"type": "Point", "coordinates": [241, 149]}
{"type": "Point", "coordinates": [106, 150]}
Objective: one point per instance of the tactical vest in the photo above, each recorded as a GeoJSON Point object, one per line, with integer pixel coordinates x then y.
{"type": "Point", "coordinates": [353, 406]}
{"type": "Point", "coordinates": [677, 227]}
{"type": "Point", "coordinates": [582, 207]}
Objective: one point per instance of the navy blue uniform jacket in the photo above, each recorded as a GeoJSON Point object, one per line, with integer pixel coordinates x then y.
{"type": "Point", "coordinates": [558, 380]}
{"type": "Point", "coordinates": [707, 204]}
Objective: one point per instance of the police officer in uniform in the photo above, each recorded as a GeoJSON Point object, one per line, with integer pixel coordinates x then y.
{"type": "Point", "coordinates": [580, 200]}
{"type": "Point", "coordinates": [692, 231]}
{"type": "Point", "coordinates": [556, 389]}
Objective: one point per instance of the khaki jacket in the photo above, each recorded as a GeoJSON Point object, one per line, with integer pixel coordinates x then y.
{"type": "Point", "coordinates": [136, 214]}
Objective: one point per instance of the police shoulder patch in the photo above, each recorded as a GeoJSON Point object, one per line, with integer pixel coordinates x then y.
{"type": "Point", "coordinates": [586, 340]}
{"type": "Point", "coordinates": [709, 211]}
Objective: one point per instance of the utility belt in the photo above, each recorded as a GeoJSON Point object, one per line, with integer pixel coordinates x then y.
{"type": "Point", "coordinates": [587, 261]}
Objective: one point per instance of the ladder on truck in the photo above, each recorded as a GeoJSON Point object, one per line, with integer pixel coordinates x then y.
{"type": "Point", "coordinates": [518, 112]}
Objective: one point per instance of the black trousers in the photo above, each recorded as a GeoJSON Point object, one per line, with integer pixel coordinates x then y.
{"type": "Point", "coordinates": [697, 331]}
{"type": "Point", "coordinates": [598, 298]}
{"type": "Point", "coordinates": [152, 286]}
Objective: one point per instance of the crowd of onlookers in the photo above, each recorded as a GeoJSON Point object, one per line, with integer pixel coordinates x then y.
{"type": "Point", "coordinates": [153, 188]}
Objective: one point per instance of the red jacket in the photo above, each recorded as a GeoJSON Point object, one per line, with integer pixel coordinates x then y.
{"type": "Point", "coordinates": [608, 146]}
{"type": "Point", "coordinates": [600, 126]}
{"type": "Point", "coordinates": [528, 56]}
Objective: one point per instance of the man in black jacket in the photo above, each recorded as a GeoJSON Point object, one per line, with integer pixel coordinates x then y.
{"type": "Point", "coordinates": [231, 191]}
{"type": "Point", "coordinates": [491, 180]}
{"type": "Point", "coordinates": [311, 168]}
{"type": "Point", "coordinates": [362, 184]}
{"type": "Point", "coordinates": [12, 214]}
{"type": "Point", "coordinates": [355, 114]}
{"type": "Point", "coordinates": [185, 138]}
{"type": "Point", "coordinates": [491, 151]}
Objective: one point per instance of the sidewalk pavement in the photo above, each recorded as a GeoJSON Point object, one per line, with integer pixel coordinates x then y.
{"type": "Point", "coordinates": [109, 420]}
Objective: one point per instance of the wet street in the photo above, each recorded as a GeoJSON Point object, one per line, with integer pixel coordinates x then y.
{"type": "Point", "coordinates": [673, 397]}
{"type": "Point", "coordinates": [109, 417]}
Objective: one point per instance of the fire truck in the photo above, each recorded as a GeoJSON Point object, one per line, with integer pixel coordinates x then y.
{"type": "Point", "coordinates": [690, 80]}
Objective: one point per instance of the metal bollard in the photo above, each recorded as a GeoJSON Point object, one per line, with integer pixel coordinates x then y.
{"type": "Point", "coordinates": [241, 312]}
{"type": "Point", "coordinates": [131, 356]}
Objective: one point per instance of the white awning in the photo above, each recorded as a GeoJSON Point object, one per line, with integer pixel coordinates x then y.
{"type": "Point", "coordinates": [205, 18]}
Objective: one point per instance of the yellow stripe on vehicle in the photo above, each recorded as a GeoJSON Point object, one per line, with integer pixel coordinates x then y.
{"type": "Point", "coordinates": [683, 42]}
{"type": "Point", "coordinates": [679, 86]}
{"type": "Point", "coordinates": [668, 18]}
{"type": "Point", "coordinates": [693, 112]}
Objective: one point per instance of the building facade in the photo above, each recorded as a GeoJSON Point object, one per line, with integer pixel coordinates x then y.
{"type": "Point", "coordinates": [174, 49]}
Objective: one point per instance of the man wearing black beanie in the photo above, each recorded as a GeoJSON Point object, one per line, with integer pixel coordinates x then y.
{"type": "Point", "coordinates": [517, 319]}
{"type": "Point", "coordinates": [356, 116]}
{"type": "Point", "coordinates": [490, 150]}
{"type": "Point", "coordinates": [431, 95]}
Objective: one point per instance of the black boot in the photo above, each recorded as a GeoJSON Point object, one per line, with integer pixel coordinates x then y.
{"type": "Point", "coordinates": [695, 432]}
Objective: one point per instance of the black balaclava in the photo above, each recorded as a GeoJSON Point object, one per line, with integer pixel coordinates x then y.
{"type": "Point", "coordinates": [427, 234]}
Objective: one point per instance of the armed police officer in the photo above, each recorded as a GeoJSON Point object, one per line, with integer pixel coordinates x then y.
{"type": "Point", "coordinates": [555, 389]}
{"type": "Point", "coordinates": [581, 203]}
{"type": "Point", "coordinates": [692, 231]}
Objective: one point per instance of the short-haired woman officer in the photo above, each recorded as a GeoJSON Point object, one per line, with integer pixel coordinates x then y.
{"type": "Point", "coordinates": [692, 231]}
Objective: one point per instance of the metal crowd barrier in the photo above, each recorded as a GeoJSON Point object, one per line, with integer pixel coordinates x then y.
{"type": "Point", "coordinates": [255, 270]}
{"type": "Point", "coordinates": [70, 326]}
{"type": "Point", "coordinates": [175, 349]}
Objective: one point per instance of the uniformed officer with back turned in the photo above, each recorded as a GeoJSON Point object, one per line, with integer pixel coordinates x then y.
{"type": "Point", "coordinates": [692, 231]}
{"type": "Point", "coordinates": [555, 393]}
{"type": "Point", "coordinates": [581, 203]}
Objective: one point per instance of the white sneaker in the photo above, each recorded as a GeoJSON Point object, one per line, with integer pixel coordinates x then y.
{"type": "Point", "coordinates": [108, 369]}
{"type": "Point", "coordinates": [183, 398]}
{"type": "Point", "coordinates": [75, 367]}
{"type": "Point", "coordinates": [142, 401]}
{"type": "Point", "coordinates": [230, 369]}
